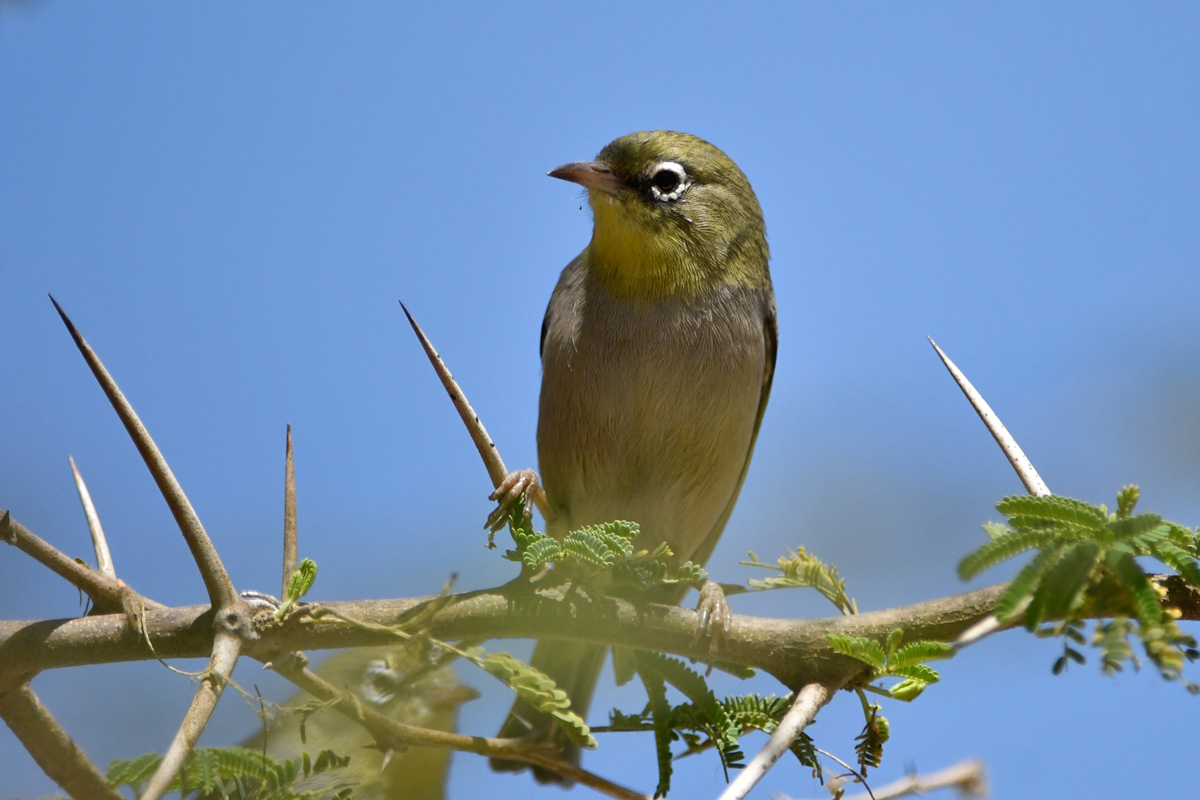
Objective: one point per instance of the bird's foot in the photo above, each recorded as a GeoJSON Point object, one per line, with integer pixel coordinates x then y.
{"type": "Point", "coordinates": [518, 484]}
{"type": "Point", "coordinates": [715, 617]}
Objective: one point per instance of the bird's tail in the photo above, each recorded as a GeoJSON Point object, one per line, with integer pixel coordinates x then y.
{"type": "Point", "coordinates": [575, 668]}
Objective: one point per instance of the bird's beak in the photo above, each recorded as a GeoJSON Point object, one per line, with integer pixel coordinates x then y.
{"type": "Point", "coordinates": [450, 697]}
{"type": "Point", "coordinates": [589, 174]}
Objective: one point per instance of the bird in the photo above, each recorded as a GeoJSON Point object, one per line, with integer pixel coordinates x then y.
{"type": "Point", "coordinates": [658, 351]}
{"type": "Point", "coordinates": [391, 681]}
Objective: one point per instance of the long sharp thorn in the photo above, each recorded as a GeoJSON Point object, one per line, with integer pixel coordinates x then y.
{"type": "Point", "coordinates": [216, 580]}
{"type": "Point", "coordinates": [104, 560]}
{"type": "Point", "coordinates": [479, 435]}
{"type": "Point", "coordinates": [290, 534]}
{"type": "Point", "coordinates": [1012, 451]}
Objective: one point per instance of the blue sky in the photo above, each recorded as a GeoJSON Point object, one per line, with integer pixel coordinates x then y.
{"type": "Point", "coordinates": [230, 199]}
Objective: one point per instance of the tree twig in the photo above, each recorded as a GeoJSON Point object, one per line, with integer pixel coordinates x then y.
{"type": "Point", "coordinates": [107, 595]}
{"type": "Point", "coordinates": [226, 648]}
{"type": "Point", "coordinates": [808, 701]}
{"type": "Point", "coordinates": [52, 747]}
{"type": "Point", "coordinates": [968, 777]}
{"type": "Point", "coordinates": [397, 735]}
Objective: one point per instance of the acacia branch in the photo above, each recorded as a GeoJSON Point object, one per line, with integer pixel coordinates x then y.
{"type": "Point", "coordinates": [396, 735]}
{"type": "Point", "coordinates": [52, 747]}
{"type": "Point", "coordinates": [808, 702]}
{"type": "Point", "coordinates": [107, 594]}
{"type": "Point", "coordinates": [794, 651]}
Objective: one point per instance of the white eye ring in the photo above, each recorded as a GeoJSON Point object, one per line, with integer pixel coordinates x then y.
{"type": "Point", "coordinates": [379, 682]}
{"type": "Point", "coordinates": [668, 181]}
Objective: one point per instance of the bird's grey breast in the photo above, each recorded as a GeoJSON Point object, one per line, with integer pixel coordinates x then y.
{"type": "Point", "coordinates": [648, 409]}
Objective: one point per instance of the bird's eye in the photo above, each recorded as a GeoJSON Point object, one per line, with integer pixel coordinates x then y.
{"type": "Point", "coordinates": [668, 181]}
{"type": "Point", "coordinates": [379, 682]}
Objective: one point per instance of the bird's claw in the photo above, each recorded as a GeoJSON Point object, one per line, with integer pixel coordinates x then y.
{"type": "Point", "coordinates": [715, 617]}
{"type": "Point", "coordinates": [518, 484]}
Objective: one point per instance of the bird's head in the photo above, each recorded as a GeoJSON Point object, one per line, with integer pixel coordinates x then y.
{"type": "Point", "coordinates": [673, 216]}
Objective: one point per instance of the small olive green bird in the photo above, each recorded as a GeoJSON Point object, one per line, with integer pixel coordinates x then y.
{"type": "Point", "coordinates": [384, 680]}
{"type": "Point", "coordinates": [658, 350]}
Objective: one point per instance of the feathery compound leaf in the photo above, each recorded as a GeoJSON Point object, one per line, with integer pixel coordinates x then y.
{"type": "Point", "coordinates": [660, 711]}
{"type": "Point", "coordinates": [801, 569]}
{"type": "Point", "coordinates": [996, 530]}
{"type": "Point", "coordinates": [1127, 498]}
{"type": "Point", "coordinates": [133, 772]}
{"type": "Point", "coordinates": [893, 642]}
{"type": "Point", "coordinates": [531, 684]}
{"type": "Point", "coordinates": [755, 712]}
{"type": "Point", "coordinates": [617, 537]}
{"type": "Point", "coordinates": [1140, 532]}
{"type": "Point", "coordinates": [1185, 538]}
{"type": "Point", "coordinates": [716, 722]}
{"type": "Point", "coordinates": [860, 648]}
{"type": "Point", "coordinates": [688, 572]}
{"type": "Point", "coordinates": [302, 579]}
{"type": "Point", "coordinates": [1063, 586]}
{"type": "Point", "coordinates": [920, 652]}
{"type": "Point", "coordinates": [919, 672]}
{"type": "Point", "coordinates": [538, 689]}
{"type": "Point", "coordinates": [541, 551]}
{"type": "Point", "coordinates": [1133, 578]}
{"type": "Point", "coordinates": [1179, 560]}
{"type": "Point", "coordinates": [676, 673]}
{"type": "Point", "coordinates": [1022, 587]}
{"type": "Point", "coordinates": [908, 689]}
{"type": "Point", "coordinates": [875, 734]}
{"type": "Point", "coordinates": [1049, 509]}
{"type": "Point", "coordinates": [588, 548]}
{"type": "Point", "coordinates": [1000, 549]}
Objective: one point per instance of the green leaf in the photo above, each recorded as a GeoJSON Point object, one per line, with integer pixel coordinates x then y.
{"type": "Point", "coordinates": [1133, 578]}
{"type": "Point", "coordinates": [660, 711]}
{"type": "Point", "coordinates": [1127, 498]}
{"type": "Point", "coordinates": [1050, 509]}
{"type": "Point", "coordinates": [906, 691]}
{"type": "Point", "coordinates": [302, 579]}
{"type": "Point", "coordinates": [1063, 585]}
{"type": "Point", "coordinates": [918, 672]}
{"type": "Point", "coordinates": [1026, 582]}
{"type": "Point", "coordinates": [1179, 560]}
{"type": "Point", "coordinates": [1141, 532]}
{"type": "Point", "coordinates": [920, 652]}
{"type": "Point", "coordinates": [541, 551]}
{"type": "Point", "coordinates": [539, 690]}
{"type": "Point", "coordinates": [1001, 549]}
{"type": "Point", "coordinates": [861, 648]}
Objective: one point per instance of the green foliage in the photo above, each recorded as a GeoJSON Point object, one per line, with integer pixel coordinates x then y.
{"type": "Point", "coordinates": [801, 569]}
{"type": "Point", "coordinates": [1087, 566]}
{"type": "Point", "coordinates": [607, 548]}
{"type": "Point", "coordinates": [536, 688]}
{"type": "Point", "coordinates": [892, 660]}
{"type": "Point", "coordinates": [706, 723]}
{"type": "Point", "coordinates": [875, 734]}
{"type": "Point", "coordinates": [660, 714]}
{"type": "Point", "coordinates": [236, 773]}
{"type": "Point", "coordinates": [702, 721]}
{"type": "Point", "coordinates": [298, 585]}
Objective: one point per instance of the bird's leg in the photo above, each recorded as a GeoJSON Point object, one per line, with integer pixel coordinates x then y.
{"type": "Point", "coordinates": [715, 616]}
{"type": "Point", "coordinates": [522, 482]}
